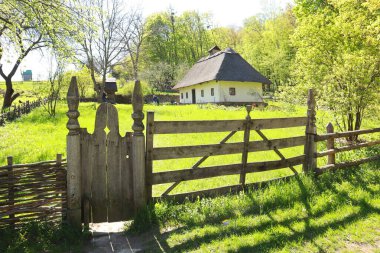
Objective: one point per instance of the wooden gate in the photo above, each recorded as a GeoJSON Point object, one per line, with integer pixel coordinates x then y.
{"type": "Point", "coordinates": [105, 179]}
{"type": "Point", "coordinates": [106, 171]}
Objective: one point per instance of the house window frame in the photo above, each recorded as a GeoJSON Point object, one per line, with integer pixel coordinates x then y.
{"type": "Point", "coordinates": [181, 95]}
{"type": "Point", "coordinates": [232, 91]}
{"type": "Point", "coordinates": [202, 93]}
{"type": "Point", "coordinates": [212, 92]}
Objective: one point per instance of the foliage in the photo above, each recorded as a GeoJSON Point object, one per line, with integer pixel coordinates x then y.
{"type": "Point", "coordinates": [83, 80]}
{"type": "Point", "coordinates": [173, 41]}
{"type": "Point", "coordinates": [36, 237]}
{"type": "Point", "coordinates": [266, 45]}
{"type": "Point", "coordinates": [26, 26]}
{"type": "Point", "coordinates": [144, 220]}
{"type": "Point", "coordinates": [338, 55]}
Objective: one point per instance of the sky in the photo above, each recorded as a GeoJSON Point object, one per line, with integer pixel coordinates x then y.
{"type": "Point", "coordinates": [224, 13]}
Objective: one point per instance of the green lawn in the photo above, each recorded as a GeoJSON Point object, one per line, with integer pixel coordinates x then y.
{"type": "Point", "coordinates": [337, 212]}
{"type": "Point", "coordinates": [37, 137]}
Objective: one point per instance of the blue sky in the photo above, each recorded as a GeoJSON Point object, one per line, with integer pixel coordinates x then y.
{"type": "Point", "coordinates": [224, 13]}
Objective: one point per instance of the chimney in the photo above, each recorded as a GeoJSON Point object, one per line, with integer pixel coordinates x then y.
{"type": "Point", "coordinates": [214, 50]}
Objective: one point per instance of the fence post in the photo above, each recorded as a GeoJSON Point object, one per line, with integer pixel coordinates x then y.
{"type": "Point", "coordinates": [138, 148]}
{"type": "Point", "coordinates": [310, 162]}
{"type": "Point", "coordinates": [330, 144]}
{"type": "Point", "coordinates": [73, 157]}
{"type": "Point", "coordinates": [11, 193]}
{"type": "Point", "coordinates": [149, 153]}
{"type": "Point", "coordinates": [247, 132]}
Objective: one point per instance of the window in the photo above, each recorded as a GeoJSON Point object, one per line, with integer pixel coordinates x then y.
{"type": "Point", "coordinates": [181, 95]}
{"type": "Point", "coordinates": [187, 95]}
{"type": "Point", "coordinates": [212, 91]}
{"type": "Point", "coordinates": [232, 91]}
{"type": "Point", "coordinates": [202, 93]}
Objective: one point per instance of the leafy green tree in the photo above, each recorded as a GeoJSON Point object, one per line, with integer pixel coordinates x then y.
{"type": "Point", "coordinates": [29, 25]}
{"type": "Point", "coordinates": [338, 54]}
{"type": "Point", "coordinates": [266, 45]}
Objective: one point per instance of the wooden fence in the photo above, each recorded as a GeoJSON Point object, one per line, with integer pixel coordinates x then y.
{"type": "Point", "coordinates": [223, 148]}
{"type": "Point", "coordinates": [330, 138]}
{"type": "Point", "coordinates": [16, 111]}
{"type": "Point", "coordinates": [35, 191]}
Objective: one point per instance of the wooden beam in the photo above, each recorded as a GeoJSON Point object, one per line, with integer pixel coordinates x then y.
{"type": "Point", "coordinates": [347, 164]}
{"type": "Point", "coordinates": [225, 148]}
{"type": "Point", "coordinates": [202, 126]}
{"type": "Point", "coordinates": [347, 148]}
{"type": "Point", "coordinates": [222, 170]}
{"type": "Point", "coordinates": [324, 137]}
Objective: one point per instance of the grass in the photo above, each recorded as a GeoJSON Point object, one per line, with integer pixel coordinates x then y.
{"type": "Point", "coordinates": [37, 137]}
{"type": "Point", "coordinates": [336, 212]}
{"type": "Point", "coordinates": [37, 237]}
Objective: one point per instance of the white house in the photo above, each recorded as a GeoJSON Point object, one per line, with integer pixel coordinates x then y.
{"type": "Point", "coordinates": [222, 77]}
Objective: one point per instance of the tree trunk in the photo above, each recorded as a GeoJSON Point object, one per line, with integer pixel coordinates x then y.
{"type": "Point", "coordinates": [9, 95]}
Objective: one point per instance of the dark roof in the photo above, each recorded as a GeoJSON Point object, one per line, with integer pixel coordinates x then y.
{"type": "Point", "coordinates": [226, 65]}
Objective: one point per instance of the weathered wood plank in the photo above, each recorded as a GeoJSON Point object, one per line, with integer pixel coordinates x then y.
{"type": "Point", "coordinates": [347, 148]}
{"type": "Point", "coordinates": [170, 127]}
{"type": "Point", "coordinates": [260, 124]}
{"type": "Point", "coordinates": [192, 196]}
{"type": "Point", "coordinates": [98, 188]}
{"type": "Point", "coordinates": [114, 188]}
{"type": "Point", "coordinates": [222, 170]}
{"type": "Point", "coordinates": [224, 149]}
{"type": "Point", "coordinates": [323, 137]}
{"type": "Point", "coordinates": [244, 157]}
{"type": "Point", "coordinates": [347, 164]}
{"type": "Point", "coordinates": [202, 126]}
{"type": "Point", "coordinates": [149, 153]}
{"type": "Point", "coordinates": [127, 176]}
{"type": "Point", "coordinates": [87, 157]}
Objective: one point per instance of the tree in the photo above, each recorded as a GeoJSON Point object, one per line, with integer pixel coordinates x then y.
{"type": "Point", "coordinates": [266, 44]}
{"type": "Point", "coordinates": [56, 82]}
{"type": "Point", "coordinates": [338, 55]}
{"type": "Point", "coordinates": [105, 42]}
{"type": "Point", "coordinates": [173, 40]}
{"type": "Point", "coordinates": [29, 25]}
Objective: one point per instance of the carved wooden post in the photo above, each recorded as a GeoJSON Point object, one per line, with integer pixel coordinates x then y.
{"type": "Point", "coordinates": [310, 163]}
{"type": "Point", "coordinates": [73, 157]}
{"type": "Point", "coordinates": [247, 132]}
{"type": "Point", "coordinates": [138, 148]}
{"type": "Point", "coordinates": [330, 144]}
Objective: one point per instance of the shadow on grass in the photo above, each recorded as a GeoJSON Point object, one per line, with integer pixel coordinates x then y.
{"type": "Point", "coordinates": [312, 230]}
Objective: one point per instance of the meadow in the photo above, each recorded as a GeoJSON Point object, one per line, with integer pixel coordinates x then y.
{"type": "Point", "coordinates": [38, 137]}
{"type": "Point", "coordinates": [336, 211]}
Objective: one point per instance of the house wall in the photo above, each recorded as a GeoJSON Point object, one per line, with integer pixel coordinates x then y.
{"type": "Point", "coordinates": [206, 87]}
{"type": "Point", "coordinates": [245, 92]}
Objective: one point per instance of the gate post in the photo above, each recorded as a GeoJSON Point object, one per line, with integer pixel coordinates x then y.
{"type": "Point", "coordinates": [310, 163]}
{"type": "Point", "coordinates": [138, 149]}
{"type": "Point", "coordinates": [73, 158]}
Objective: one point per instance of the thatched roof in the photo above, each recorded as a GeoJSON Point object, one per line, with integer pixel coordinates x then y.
{"type": "Point", "coordinates": [225, 65]}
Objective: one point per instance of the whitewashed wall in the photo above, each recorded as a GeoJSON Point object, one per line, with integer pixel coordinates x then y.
{"type": "Point", "coordinates": [245, 92]}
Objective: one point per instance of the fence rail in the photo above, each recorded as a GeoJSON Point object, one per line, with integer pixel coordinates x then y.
{"type": "Point", "coordinates": [330, 137]}
{"type": "Point", "coordinates": [223, 148]}
{"type": "Point", "coordinates": [16, 111]}
{"type": "Point", "coordinates": [35, 191]}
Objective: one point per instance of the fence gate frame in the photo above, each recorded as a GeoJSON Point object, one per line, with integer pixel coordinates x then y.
{"type": "Point", "coordinates": [126, 156]}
